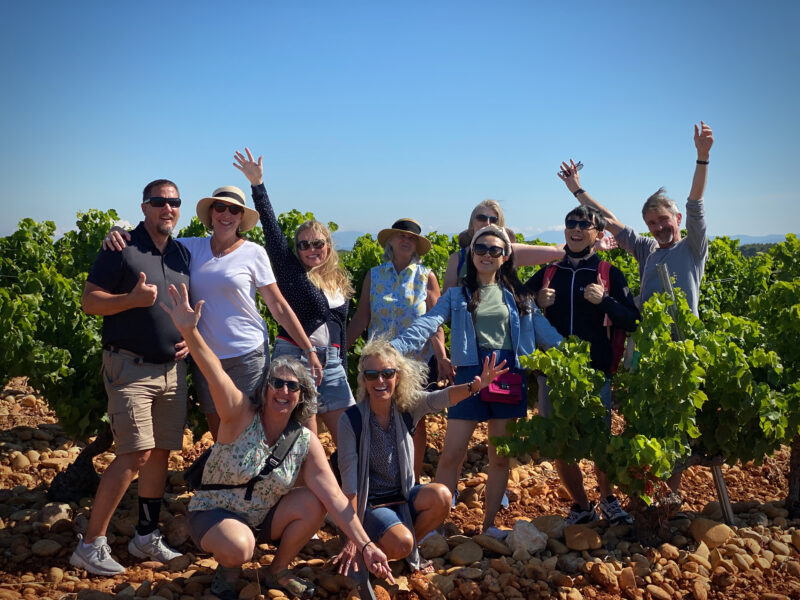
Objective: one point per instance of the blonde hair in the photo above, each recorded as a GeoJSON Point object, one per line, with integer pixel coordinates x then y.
{"type": "Point", "coordinates": [330, 276]}
{"type": "Point", "coordinates": [410, 380]}
{"type": "Point", "coordinates": [465, 237]}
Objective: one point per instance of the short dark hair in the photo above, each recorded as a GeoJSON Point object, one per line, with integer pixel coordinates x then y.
{"type": "Point", "coordinates": [148, 189]}
{"type": "Point", "coordinates": [590, 213]}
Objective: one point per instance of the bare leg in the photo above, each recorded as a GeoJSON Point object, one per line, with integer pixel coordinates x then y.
{"type": "Point", "coordinates": [230, 541]}
{"type": "Point", "coordinates": [153, 474]}
{"type": "Point", "coordinates": [602, 483]}
{"type": "Point", "coordinates": [397, 542]}
{"type": "Point", "coordinates": [572, 478]}
{"type": "Point", "coordinates": [299, 516]}
{"type": "Point", "coordinates": [497, 474]}
{"type": "Point", "coordinates": [432, 504]}
{"type": "Point", "coordinates": [456, 440]}
{"type": "Point", "coordinates": [420, 445]}
{"type": "Point", "coordinates": [113, 484]}
{"type": "Point", "coordinates": [331, 420]}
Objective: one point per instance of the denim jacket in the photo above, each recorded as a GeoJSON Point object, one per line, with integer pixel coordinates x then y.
{"type": "Point", "coordinates": [527, 331]}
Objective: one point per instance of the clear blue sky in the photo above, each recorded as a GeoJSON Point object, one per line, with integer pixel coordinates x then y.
{"type": "Point", "coordinates": [370, 111]}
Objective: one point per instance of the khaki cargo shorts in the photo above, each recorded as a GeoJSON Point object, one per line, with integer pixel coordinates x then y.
{"type": "Point", "coordinates": [146, 402]}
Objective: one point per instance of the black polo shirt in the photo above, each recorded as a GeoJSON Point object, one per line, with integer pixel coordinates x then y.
{"type": "Point", "coordinates": [149, 331]}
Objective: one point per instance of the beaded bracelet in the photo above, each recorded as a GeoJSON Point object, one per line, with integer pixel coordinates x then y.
{"type": "Point", "coordinates": [702, 162]}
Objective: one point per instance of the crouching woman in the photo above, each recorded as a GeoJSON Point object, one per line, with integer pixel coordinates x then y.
{"type": "Point", "coordinates": [289, 504]}
{"type": "Point", "coordinates": [376, 450]}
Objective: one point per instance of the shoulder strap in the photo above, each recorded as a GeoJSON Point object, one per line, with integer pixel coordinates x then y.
{"type": "Point", "coordinates": [549, 271]}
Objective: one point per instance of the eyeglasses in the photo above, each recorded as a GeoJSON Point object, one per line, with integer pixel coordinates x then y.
{"type": "Point", "coordinates": [315, 244]}
{"type": "Point", "coordinates": [221, 207]}
{"type": "Point", "coordinates": [158, 202]}
{"type": "Point", "coordinates": [493, 251]}
{"type": "Point", "coordinates": [276, 383]}
{"type": "Point", "coordinates": [372, 374]}
{"type": "Point", "coordinates": [487, 218]}
{"type": "Point", "coordinates": [574, 223]}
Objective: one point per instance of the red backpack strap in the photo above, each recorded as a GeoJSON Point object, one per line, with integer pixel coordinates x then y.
{"type": "Point", "coordinates": [548, 275]}
{"type": "Point", "coordinates": [604, 270]}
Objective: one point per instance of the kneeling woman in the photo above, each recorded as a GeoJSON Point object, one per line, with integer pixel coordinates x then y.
{"type": "Point", "coordinates": [376, 450]}
{"type": "Point", "coordinates": [228, 524]}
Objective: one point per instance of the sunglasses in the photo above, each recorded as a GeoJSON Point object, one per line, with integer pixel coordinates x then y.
{"type": "Point", "coordinates": [158, 202]}
{"type": "Point", "coordinates": [315, 244]}
{"type": "Point", "coordinates": [493, 251]}
{"type": "Point", "coordinates": [276, 383]}
{"type": "Point", "coordinates": [372, 374]}
{"type": "Point", "coordinates": [221, 207]}
{"type": "Point", "coordinates": [574, 223]}
{"type": "Point", "coordinates": [487, 218]}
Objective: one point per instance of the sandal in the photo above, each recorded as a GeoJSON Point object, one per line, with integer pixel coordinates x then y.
{"type": "Point", "coordinates": [298, 587]}
{"type": "Point", "coordinates": [221, 587]}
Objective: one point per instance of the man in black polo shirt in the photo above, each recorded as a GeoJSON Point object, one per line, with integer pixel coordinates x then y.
{"type": "Point", "coordinates": [144, 374]}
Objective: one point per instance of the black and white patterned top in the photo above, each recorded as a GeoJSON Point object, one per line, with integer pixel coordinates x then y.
{"type": "Point", "coordinates": [384, 467]}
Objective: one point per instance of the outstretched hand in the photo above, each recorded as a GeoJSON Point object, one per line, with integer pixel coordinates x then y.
{"type": "Point", "coordinates": [703, 140]}
{"type": "Point", "coordinates": [252, 169]}
{"type": "Point", "coordinates": [569, 175]}
{"type": "Point", "coordinates": [606, 242]}
{"type": "Point", "coordinates": [491, 371]}
{"type": "Point", "coordinates": [180, 311]}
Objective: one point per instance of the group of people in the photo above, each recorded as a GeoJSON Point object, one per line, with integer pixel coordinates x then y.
{"type": "Point", "coordinates": [267, 478]}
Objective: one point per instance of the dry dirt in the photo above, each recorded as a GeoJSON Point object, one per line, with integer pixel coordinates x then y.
{"type": "Point", "coordinates": [35, 545]}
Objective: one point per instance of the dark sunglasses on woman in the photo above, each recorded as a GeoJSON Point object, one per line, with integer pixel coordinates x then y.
{"type": "Point", "coordinates": [315, 244]}
{"type": "Point", "coordinates": [493, 251]}
{"type": "Point", "coordinates": [158, 202]}
{"type": "Point", "coordinates": [221, 207]}
{"type": "Point", "coordinates": [372, 374]}
{"type": "Point", "coordinates": [276, 383]}
{"type": "Point", "coordinates": [574, 223]}
{"type": "Point", "coordinates": [486, 219]}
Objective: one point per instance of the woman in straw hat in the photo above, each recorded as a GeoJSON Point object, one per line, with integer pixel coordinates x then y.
{"type": "Point", "coordinates": [489, 315]}
{"type": "Point", "coordinates": [225, 272]}
{"type": "Point", "coordinates": [394, 294]}
{"type": "Point", "coordinates": [317, 288]}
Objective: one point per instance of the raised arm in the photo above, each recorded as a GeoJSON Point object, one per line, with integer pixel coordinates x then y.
{"type": "Point", "coordinates": [703, 140]}
{"type": "Point", "coordinates": [451, 272]}
{"type": "Point", "coordinates": [362, 315]}
{"type": "Point", "coordinates": [569, 175]}
{"type": "Point", "coordinates": [443, 365]}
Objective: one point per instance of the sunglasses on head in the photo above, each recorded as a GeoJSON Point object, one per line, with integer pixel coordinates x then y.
{"type": "Point", "coordinates": [315, 244]}
{"type": "Point", "coordinates": [486, 218]}
{"type": "Point", "coordinates": [221, 207]}
{"type": "Point", "coordinates": [158, 202]}
{"type": "Point", "coordinates": [276, 383]}
{"type": "Point", "coordinates": [493, 251]}
{"type": "Point", "coordinates": [372, 374]}
{"type": "Point", "coordinates": [574, 223]}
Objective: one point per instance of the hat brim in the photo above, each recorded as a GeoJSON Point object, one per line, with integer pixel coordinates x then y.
{"type": "Point", "coordinates": [249, 217]}
{"type": "Point", "coordinates": [423, 243]}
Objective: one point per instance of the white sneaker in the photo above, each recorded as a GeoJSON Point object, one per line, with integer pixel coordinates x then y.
{"type": "Point", "coordinates": [95, 557]}
{"type": "Point", "coordinates": [152, 547]}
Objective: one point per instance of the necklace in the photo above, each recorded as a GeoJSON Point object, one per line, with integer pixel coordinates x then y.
{"type": "Point", "coordinates": [226, 250]}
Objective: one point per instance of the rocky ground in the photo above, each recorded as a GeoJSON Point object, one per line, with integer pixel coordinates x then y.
{"type": "Point", "coordinates": [696, 555]}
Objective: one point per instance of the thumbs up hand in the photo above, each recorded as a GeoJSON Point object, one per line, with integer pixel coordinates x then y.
{"type": "Point", "coordinates": [594, 292]}
{"type": "Point", "coordinates": [143, 294]}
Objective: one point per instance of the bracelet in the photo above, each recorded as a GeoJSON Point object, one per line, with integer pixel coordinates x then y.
{"type": "Point", "coordinates": [702, 162]}
{"type": "Point", "coordinates": [364, 547]}
{"type": "Point", "coordinates": [469, 388]}
{"type": "Point", "coordinates": [309, 351]}
{"type": "Point", "coordinates": [578, 191]}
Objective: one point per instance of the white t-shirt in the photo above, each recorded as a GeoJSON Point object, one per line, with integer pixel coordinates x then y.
{"type": "Point", "coordinates": [230, 323]}
{"type": "Point", "coordinates": [321, 338]}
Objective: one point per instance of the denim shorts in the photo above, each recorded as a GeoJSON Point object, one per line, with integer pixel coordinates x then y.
{"type": "Point", "coordinates": [377, 521]}
{"type": "Point", "coordinates": [546, 407]}
{"type": "Point", "coordinates": [200, 521]}
{"type": "Point", "coordinates": [475, 409]}
{"type": "Point", "coordinates": [334, 391]}
{"type": "Point", "coordinates": [245, 371]}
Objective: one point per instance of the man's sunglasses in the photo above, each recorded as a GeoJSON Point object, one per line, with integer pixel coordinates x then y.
{"type": "Point", "coordinates": [158, 202]}
{"type": "Point", "coordinates": [221, 207]}
{"type": "Point", "coordinates": [315, 244]}
{"type": "Point", "coordinates": [574, 223]}
{"type": "Point", "coordinates": [486, 218]}
{"type": "Point", "coordinates": [493, 251]}
{"type": "Point", "coordinates": [276, 383]}
{"type": "Point", "coordinates": [372, 374]}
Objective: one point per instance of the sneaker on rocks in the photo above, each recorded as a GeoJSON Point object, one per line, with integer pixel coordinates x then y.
{"type": "Point", "coordinates": [613, 512]}
{"type": "Point", "coordinates": [579, 516]}
{"type": "Point", "coordinates": [95, 557]}
{"type": "Point", "coordinates": [496, 533]}
{"type": "Point", "coordinates": [152, 547]}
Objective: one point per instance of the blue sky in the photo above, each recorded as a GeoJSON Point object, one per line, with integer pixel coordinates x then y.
{"type": "Point", "coordinates": [370, 111]}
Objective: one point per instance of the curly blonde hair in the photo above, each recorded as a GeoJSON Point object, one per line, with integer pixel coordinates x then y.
{"type": "Point", "coordinates": [465, 237]}
{"type": "Point", "coordinates": [330, 276]}
{"type": "Point", "coordinates": [411, 377]}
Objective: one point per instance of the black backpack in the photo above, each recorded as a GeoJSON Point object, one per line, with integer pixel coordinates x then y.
{"type": "Point", "coordinates": [193, 475]}
{"type": "Point", "coordinates": [354, 414]}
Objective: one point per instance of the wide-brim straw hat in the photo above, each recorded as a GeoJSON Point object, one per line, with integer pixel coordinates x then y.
{"type": "Point", "coordinates": [229, 194]}
{"type": "Point", "coordinates": [409, 226]}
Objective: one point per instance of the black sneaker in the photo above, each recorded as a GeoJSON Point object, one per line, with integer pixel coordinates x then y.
{"type": "Point", "coordinates": [579, 516]}
{"type": "Point", "coordinates": [613, 512]}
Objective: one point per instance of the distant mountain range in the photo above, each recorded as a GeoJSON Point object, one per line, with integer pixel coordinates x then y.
{"type": "Point", "coordinates": [344, 240]}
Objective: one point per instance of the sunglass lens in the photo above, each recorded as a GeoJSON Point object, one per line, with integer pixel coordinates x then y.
{"type": "Point", "coordinates": [277, 383]}
{"type": "Point", "coordinates": [221, 207]}
{"type": "Point", "coordinates": [372, 375]}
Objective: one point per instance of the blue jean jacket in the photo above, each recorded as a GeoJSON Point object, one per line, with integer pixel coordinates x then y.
{"type": "Point", "coordinates": [527, 331]}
